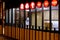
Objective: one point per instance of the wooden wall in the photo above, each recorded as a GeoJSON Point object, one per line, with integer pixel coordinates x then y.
{"type": "Point", "coordinates": [20, 34]}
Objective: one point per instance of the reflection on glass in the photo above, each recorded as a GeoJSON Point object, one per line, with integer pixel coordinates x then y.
{"type": "Point", "coordinates": [17, 16]}
{"type": "Point", "coordinates": [46, 19]}
{"type": "Point", "coordinates": [33, 19]}
{"type": "Point", "coordinates": [13, 15]}
{"type": "Point", "coordinates": [6, 16]}
{"type": "Point", "coordinates": [22, 17]}
{"type": "Point", "coordinates": [27, 19]}
{"type": "Point", "coordinates": [39, 19]}
{"type": "Point", "coordinates": [10, 16]}
{"type": "Point", "coordinates": [55, 20]}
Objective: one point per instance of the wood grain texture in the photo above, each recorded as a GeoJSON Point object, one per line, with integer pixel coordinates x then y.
{"type": "Point", "coordinates": [22, 34]}
{"type": "Point", "coordinates": [1, 29]}
{"type": "Point", "coordinates": [17, 33]}
{"type": "Point", "coordinates": [48, 36]}
{"type": "Point", "coordinates": [28, 34]}
{"type": "Point", "coordinates": [36, 35]}
{"type": "Point", "coordinates": [10, 31]}
{"type": "Point", "coordinates": [25, 34]}
{"type": "Point", "coordinates": [56, 36]}
{"type": "Point", "coordinates": [6, 30]}
{"type": "Point", "coordinates": [44, 35]}
{"type": "Point", "coordinates": [52, 36]}
{"type": "Point", "coordinates": [39, 34]}
{"type": "Point", "coordinates": [31, 35]}
{"type": "Point", "coordinates": [13, 32]}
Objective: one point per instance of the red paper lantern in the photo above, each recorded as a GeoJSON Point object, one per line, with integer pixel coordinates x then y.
{"type": "Point", "coordinates": [27, 6]}
{"type": "Point", "coordinates": [22, 6]}
{"type": "Point", "coordinates": [46, 3]}
{"type": "Point", "coordinates": [54, 0]}
{"type": "Point", "coordinates": [32, 5]}
{"type": "Point", "coordinates": [39, 4]}
{"type": "Point", "coordinates": [54, 3]}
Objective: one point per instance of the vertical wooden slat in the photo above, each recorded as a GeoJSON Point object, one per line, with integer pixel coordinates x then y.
{"type": "Point", "coordinates": [36, 35]}
{"type": "Point", "coordinates": [44, 36]}
{"type": "Point", "coordinates": [23, 34]}
{"type": "Point", "coordinates": [5, 31]}
{"type": "Point", "coordinates": [27, 36]}
{"type": "Point", "coordinates": [9, 31]}
{"type": "Point", "coordinates": [47, 35]}
{"type": "Point", "coordinates": [56, 36]}
{"type": "Point", "coordinates": [20, 34]}
{"type": "Point", "coordinates": [52, 36]}
{"type": "Point", "coordinates": [0, 29]}
{"type": "Point", "coordinates": [31, 35]}
{"type": "Point", "coordinates": [13, 32]}
{"type": "Point", "coordinates": [40, 35]}
{"type": "Point", "coordinates": [17, 32]}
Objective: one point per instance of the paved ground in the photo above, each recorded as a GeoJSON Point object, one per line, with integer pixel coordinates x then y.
{"type": "Point", "coordinates": [5, 38]}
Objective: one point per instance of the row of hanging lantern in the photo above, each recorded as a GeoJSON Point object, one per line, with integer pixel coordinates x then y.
{"type": "Point", "coordinates": [38, 4]}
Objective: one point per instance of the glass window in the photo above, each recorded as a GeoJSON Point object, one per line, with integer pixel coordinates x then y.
{"type": "Point", "coordinates": [54, 17]}
{"type": "Point", "coordinates": [46, 19]}
{"type": "Point", "coordinates": [6, 16]}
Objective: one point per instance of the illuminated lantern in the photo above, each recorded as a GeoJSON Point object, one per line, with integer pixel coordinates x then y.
{"type": "Point", "coordinates": [32, 5]}
{"type": "Point", "coordinates": [54, 0]}
{"type": "Point", "coordinates": [39, 4]}
{"type": "Point", "coordinates": [46, 3]}
{"type": "Point", "coordinates": [22, 6]}
{"type": "Point", "coordinates": [54, 3]}
{"type": "Point", "coordinates": [27, 6]}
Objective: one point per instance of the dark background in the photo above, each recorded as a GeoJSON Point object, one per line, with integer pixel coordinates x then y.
{"type": "Point", "coordinates": [16, 3]}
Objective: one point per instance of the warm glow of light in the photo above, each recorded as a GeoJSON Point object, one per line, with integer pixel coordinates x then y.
{"type": "Point", "coordinates": [54, 0]}
{"type": "Point", "coordinates": [27, 5]}
{"type": "Point", "coordinates": [54, 3]}
{"type": "Point", "coordinates": [22, 6]}
{"type": "Point", "coordinates": [46, 3]}
{"type": "Point", "coordinates": [39, 4]}
{"type": "Point", "coordinates": [32, 5]}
